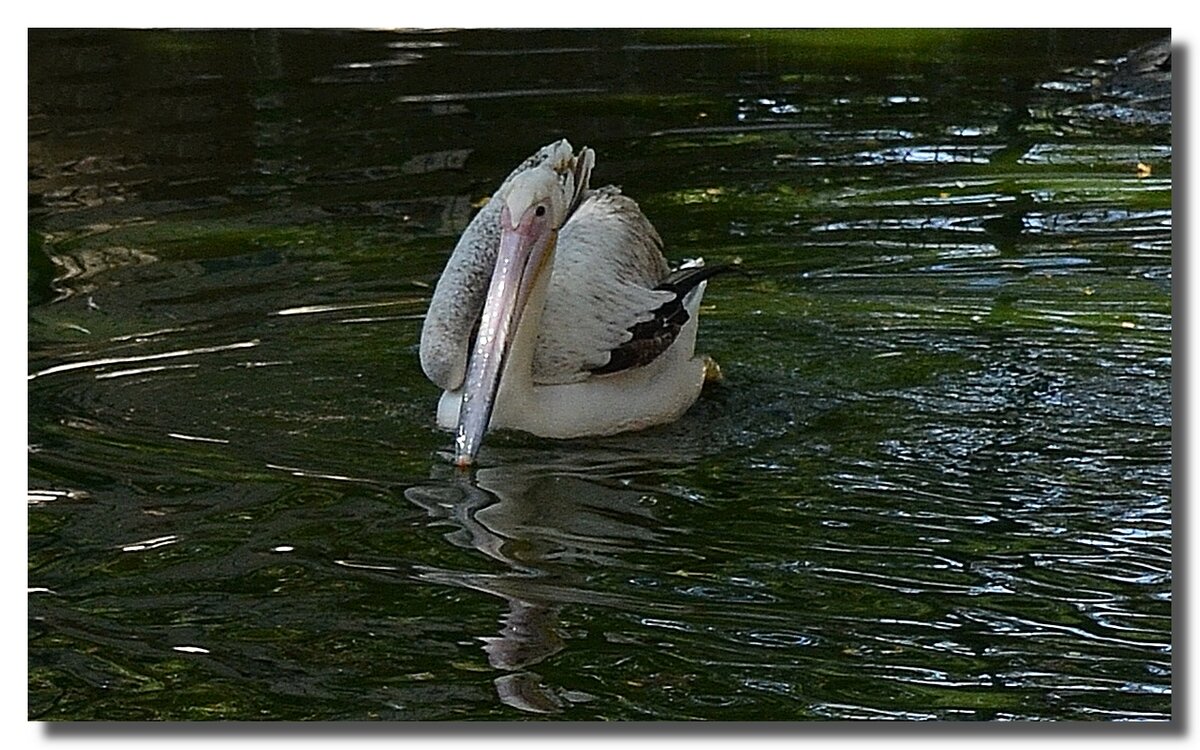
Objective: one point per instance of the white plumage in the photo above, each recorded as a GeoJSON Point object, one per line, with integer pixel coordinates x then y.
{"type": "Point", "coordinates": [551, 278]}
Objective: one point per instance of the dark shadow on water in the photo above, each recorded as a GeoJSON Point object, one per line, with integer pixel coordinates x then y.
{"type": "Point", "coordinates": [538, 519]}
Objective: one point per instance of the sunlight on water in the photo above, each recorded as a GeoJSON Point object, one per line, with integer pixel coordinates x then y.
{"type": "Point", "coordinates": [935, 482]}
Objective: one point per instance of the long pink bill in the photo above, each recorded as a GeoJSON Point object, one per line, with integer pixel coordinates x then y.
{"type": "Point", "coordinates": [501, 314]}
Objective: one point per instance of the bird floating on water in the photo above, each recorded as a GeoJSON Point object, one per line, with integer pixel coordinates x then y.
{"type": "Point", "coordinates": [558, 315]}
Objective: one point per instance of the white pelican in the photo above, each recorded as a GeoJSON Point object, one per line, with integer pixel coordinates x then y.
{"type": "Point", "coordinates": [579, 326]}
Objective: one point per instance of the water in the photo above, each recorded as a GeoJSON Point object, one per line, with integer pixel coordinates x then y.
{"type": "Point", "coordinates": [935, 484]}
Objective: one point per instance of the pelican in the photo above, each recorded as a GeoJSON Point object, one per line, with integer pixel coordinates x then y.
{"type": "Point", "coordinates": [557, 313]}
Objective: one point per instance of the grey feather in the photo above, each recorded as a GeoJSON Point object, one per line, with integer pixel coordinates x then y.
{"type": "Point", "coordinates": [458, 300]}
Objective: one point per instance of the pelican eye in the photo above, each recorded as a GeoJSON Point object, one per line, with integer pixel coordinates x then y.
{"type": "Point", "coordinates": [541, 211]}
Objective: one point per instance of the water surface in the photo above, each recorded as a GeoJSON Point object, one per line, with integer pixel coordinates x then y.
{"type": "Point", "coordinates": [935, 483]}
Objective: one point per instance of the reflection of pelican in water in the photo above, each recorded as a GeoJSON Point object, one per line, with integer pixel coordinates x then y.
{"type": "Point", "coordinates": [541, 525]}
{"type": "Point", "coordinates": [579, 326]}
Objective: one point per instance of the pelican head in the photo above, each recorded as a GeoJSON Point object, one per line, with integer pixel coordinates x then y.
{"type": "Point", "coordinates": [535, 202]}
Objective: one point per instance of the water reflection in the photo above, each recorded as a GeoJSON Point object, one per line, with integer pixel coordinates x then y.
{"type": "Point", "coordinates": [545, 526]}
{"type": "Point", "coordinates": [937, 483]}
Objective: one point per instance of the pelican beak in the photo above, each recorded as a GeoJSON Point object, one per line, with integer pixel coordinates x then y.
{"type": "Point", "coordinates": [524, 250]}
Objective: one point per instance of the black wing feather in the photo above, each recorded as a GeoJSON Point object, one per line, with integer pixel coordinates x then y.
{"type": "Point", "coordinates": [654, 336]}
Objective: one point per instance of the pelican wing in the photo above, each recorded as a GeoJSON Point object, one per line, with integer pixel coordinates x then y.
{"type": "Point", "coordinates": [650, 338]}
{"type": "Point", "coordinates": [606, 269]}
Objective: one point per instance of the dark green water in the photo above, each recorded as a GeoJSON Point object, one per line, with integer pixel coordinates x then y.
{"type": "Point", "coordinates": [936, 483]}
